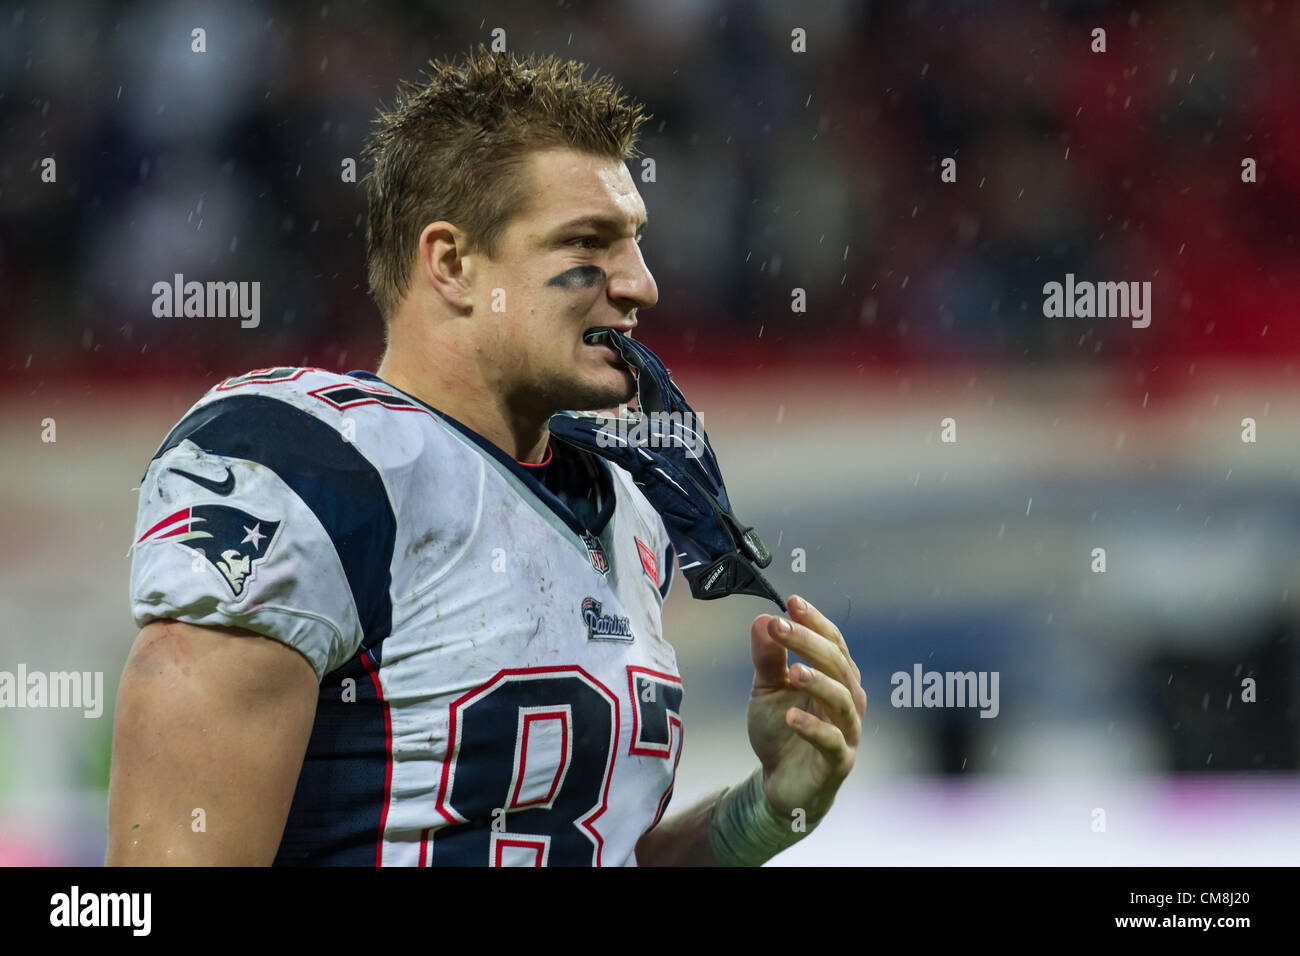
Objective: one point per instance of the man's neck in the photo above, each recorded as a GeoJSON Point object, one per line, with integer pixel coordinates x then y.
{"type": "Point", "coordinates": [453, 385]}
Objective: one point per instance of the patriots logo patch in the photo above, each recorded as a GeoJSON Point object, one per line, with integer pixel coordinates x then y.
{"type": "Point", "coordinates": [233, 541]}
{"type": "Point", "coordinates": [605, 627]}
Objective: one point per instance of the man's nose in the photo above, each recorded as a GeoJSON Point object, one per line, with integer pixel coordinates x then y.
{"type": "Point", "coordinates": [629, 278]}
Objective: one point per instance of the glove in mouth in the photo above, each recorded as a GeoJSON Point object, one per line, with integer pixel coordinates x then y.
{"type": "Point", "coordinates": [649, 397]}
{"type": "Point", "coordinates": [718, 554]}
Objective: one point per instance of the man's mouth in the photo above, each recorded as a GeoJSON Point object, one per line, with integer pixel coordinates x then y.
{"type": "Point", "coordinates": [597, 337]}
{"type": "Point", "coordinates": [596, 333]}
{"type": "Point", "coordinates": [606, 351]}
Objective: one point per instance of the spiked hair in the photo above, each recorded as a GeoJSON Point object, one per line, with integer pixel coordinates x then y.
{"type": "Point", "coordinates": [454, 147]}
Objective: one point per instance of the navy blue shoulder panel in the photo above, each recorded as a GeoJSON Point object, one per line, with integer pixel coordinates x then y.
{"type": "Point", "coordinates": [339, 484]}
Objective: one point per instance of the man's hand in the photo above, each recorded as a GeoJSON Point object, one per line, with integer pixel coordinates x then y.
{"type": "Point", "coordinates": [804, 724]}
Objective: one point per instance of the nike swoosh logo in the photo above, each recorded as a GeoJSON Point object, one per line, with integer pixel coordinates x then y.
{"type": "Point", "coordinates": [223, 487]}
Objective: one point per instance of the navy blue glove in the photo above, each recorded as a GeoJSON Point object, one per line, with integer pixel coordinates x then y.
{"type": "Point", "coordinates": [668, 454]}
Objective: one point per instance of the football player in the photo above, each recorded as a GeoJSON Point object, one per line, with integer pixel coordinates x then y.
{"type": "Point", "coordinates": [395, 618]}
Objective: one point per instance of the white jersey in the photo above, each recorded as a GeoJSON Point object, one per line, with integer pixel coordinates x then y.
{"type": "Point", "coordinates": [495, 686]}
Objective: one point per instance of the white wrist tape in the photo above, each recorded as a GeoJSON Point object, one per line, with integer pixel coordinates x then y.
{"type": "Point", "coordinates": [743, 828]}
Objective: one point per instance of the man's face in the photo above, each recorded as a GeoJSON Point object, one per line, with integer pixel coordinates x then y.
{"type": "Point", "coordinates": [567, 262]}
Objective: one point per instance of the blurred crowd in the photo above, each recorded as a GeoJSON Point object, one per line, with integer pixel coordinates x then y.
{"type": "Point", "coordinates": [775, 169]}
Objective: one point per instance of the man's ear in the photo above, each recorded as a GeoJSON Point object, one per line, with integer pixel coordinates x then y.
{"type": "Point", "coordinates": [440, 264]}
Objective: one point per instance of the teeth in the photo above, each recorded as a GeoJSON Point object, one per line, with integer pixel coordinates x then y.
{"type": "Point", "coordinates": [603, 335]}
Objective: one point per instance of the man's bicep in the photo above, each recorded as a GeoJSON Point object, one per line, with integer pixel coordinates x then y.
{"type": "Point", "coordinates": [209, 735]}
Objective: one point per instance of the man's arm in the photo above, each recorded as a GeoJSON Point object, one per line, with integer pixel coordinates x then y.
{"type": "Point", "coordinates": [804, 725]}
{"type": "Point", "coordinates": [213, 719]}
{"type": "Point", "coordinates": [680, 839]}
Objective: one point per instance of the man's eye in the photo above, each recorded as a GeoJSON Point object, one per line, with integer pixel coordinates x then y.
{"type": "Point", "coordinates": [593, 240]}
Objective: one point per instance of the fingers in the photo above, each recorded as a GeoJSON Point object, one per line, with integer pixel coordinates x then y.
{"type": "Point", "coordinates": [826, 737]}
{"type": "Point", "coordinates": [804, 613]}
{"type": "Point", "coordinates": [768, 655]}
{"type": "Point", "coordinates": [833, 681]}
{"type": "Point", "coordinates": [836, 699]}
{"type": "Point", "coordinates": [819, 641]}
{"type": "Point", "coordinates": [812, 647]}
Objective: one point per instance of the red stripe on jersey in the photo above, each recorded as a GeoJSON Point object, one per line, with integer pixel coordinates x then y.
{"type": "Point", "coordinates": [537, 464]}
{"type": "Point", "coordinates": [388, 751]}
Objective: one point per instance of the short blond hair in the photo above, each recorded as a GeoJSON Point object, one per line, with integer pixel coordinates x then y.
{"type": "Point", "coordinates": [453, 149]}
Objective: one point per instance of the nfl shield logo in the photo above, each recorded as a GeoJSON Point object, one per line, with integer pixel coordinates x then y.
{"type": "Point", "coordinates": [596, 551]}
